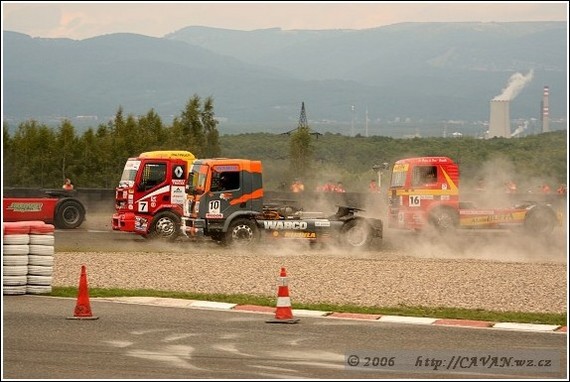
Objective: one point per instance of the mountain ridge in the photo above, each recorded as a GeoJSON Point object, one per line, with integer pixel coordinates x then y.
{"type": "Point", "coordinates": [425, 73]}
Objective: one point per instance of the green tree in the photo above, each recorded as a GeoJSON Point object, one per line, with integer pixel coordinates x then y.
{"type": "Point", "coordinates": [300, 152]}
{"type": "Point", "coordinates": [212, 149]}
{"type": "Point", "coordinates": [188, 130]}
{"type": "Point", "coordinates": [152, 131]}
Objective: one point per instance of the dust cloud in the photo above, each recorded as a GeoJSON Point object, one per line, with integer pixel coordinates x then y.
{"type": "Point", "coordinates": [503, 245]}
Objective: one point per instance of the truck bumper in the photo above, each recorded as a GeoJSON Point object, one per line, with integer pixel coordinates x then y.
{"type": "Point", "coordinates": [124, 222]}
{"type": "Point", "coordinates": [192, 227]}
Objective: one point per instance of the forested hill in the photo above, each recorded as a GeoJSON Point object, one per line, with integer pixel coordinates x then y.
{"type": "Point", "coordinates": [96, 159]}
{"type": "Point", "coordinates": [528, 160]}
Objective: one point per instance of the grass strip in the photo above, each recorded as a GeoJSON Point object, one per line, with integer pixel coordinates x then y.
{"type": "Point", "coordinates": [401, 310]}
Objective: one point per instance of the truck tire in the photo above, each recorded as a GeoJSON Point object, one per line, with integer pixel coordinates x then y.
{"type": "Point", "coordinates": [444, 220]}
{"type": "Point", "coordinates": [540, 220]}
{"type": "Point", "coordinates": [165, 225]}
{"type": "Point", "coordinates": [69, 214]}
{"type": "Point", "coordinates": [356, 233]}
{"type": "Point", "coordinates": [241, 233]}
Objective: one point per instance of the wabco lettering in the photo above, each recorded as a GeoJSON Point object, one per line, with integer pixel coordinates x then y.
{"type": "Point", "coordinates": [284, 225]}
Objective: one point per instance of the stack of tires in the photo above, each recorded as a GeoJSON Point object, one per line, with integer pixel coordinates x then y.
{"type": "Point", "coordinates": [27, 257]}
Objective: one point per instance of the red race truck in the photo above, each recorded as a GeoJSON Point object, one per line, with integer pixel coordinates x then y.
{"type": "Point", "coordinates": [59, 207]}
{"type": "Point", "coordinates": [151, 193]}
{"type": "Point", "coordinates": [424, 192]}
{"type": "Point", "coordinates": [225, 203]}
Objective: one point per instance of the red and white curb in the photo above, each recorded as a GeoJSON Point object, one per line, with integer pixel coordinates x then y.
{"type": "Point", "coordinates": [197, 304]}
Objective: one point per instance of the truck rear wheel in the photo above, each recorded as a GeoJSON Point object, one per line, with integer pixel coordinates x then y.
{"type": "Point", "coordinates": [69, 214]}
{"type": "Point", "coordinates": [242, 233]}
{"type": "Point", "coordinates": [540, 220]}
{"type": "Point", "coordinates": [356, 233]}
{"type": "Point", "coordinates": [165, 225]}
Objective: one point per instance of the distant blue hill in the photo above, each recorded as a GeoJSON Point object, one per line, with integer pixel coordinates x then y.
{"type": "Point", "coordinates": [422, 73]}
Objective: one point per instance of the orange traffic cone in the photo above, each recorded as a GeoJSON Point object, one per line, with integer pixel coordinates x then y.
{"type": "Point", "coordinates": [283, 312]}
{"type": "Point", "coordinates": [83, 308]}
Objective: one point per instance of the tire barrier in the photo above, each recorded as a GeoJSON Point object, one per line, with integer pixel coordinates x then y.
{"type": "Point", "coordinates": [27, 257]}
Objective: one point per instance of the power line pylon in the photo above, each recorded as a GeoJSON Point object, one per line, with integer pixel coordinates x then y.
{"type": "Point", "coordinates": [303, 123]}
{"type": "Point", "coordinates": [303, 117]}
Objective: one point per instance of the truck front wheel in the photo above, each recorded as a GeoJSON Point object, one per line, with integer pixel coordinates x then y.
{"type": "Point", "coordinates": [444, 220]}
{"type": "Point", "coordinates": [242, 233]}
{"type": "Point", "coordinates": [165, 225]}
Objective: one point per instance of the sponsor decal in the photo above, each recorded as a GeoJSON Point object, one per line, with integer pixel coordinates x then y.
{"type": "Point", "coordinates": [476, 212]}
{"type": "Point", "coordinates": [141, 224]}
{"type": "Point", "coordinates": [178, 172]}
{"type": "Point", "coordinates": [25, 206]}
{"type": "Point", "coordinates": [214, 216]}
{"type": "Point", "coordinates": [178, 195]}
{"type": "Point", "coordinates": [493, 218]}
{"type": "Point", "coordinates": [300, 235]}
{"type": "Point", "coordinates": [270, 224]}
{"type": "Point", "coordinates": [402, 167]}
{"type": "Point", "coordinates": [226, 168]}
{"type": "Point", "coordinates": [322, 223]}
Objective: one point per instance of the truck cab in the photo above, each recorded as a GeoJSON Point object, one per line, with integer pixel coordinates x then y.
{"type": "Point", "coordinates": [424, 192]}
{"type": "Point", "coordinates": [220, 192]}
{"type": "Point", "coordinates": [150, 196]}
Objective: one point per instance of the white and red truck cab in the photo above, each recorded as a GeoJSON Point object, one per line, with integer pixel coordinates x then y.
{"type": "Point", "coordinates": [151, 193]}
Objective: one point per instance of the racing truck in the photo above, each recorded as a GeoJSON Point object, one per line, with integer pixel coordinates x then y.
{"type": "Point", "coordinates": [424, 193]}
{"type": "Point", "coordinates": [150, 196]}
{"type": "Point", "coordinates": [58, 207]}
{"type": "Point", "coordinates": [225, 202]}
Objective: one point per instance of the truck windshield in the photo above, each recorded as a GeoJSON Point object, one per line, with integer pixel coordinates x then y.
{"type": "Point", "coordinates": [399, 173]}
{"type": "Point", "coordinates": [129, 173]}
{"type": "Point", "coordinates": [197, 177]}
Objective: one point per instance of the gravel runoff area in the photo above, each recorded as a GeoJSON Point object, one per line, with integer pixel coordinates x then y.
{"type": "Point", "coordinates": [385, 280]}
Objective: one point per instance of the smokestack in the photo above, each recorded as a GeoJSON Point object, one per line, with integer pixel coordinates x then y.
{"type": "Point", "coordinates": [500, 121]}
{"type": "Point", "coordinates": [545, 111]}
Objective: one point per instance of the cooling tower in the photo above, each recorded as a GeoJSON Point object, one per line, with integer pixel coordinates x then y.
{"type": "Point", "coordinates": [499, 122]}
{"type": "Point", "coordinates": [545, 111]}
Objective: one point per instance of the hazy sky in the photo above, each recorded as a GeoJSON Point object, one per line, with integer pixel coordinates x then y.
{"type": "Point", "coordinates": [79, 20]}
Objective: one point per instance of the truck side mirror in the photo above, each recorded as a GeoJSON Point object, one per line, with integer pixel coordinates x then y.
{"type": "Point", "coordinates": [194, 191]}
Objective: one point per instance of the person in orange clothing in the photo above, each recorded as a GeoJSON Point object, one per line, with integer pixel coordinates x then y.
{"type": "Point", "coordinates": [373, 186]}
{"type": "Point", "coordinates": [67, 185]}
{"type": "Point", "coordinates": [297, 186]}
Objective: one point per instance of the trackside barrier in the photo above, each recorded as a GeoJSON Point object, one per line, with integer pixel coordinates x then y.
{"type": "Point", "coordinates": [27, 257]}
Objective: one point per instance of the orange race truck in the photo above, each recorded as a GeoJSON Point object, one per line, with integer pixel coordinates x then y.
{"type": "Point", "coordinates": [424, 192]}
{"type": "Point", "coordinates": [225, 203]}
{"type": "Point", "coordinates": [151, 193]}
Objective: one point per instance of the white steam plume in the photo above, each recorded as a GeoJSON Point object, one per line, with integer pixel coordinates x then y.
{"type": "Point", "coordinates": [516, 83]}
